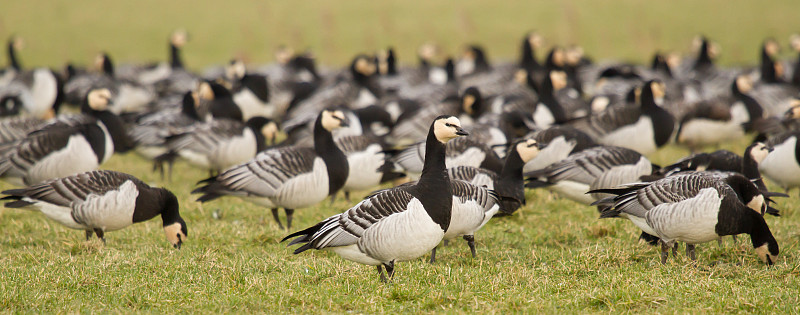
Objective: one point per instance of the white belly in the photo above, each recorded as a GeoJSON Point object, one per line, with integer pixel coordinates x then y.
{"type": "Point", "coordinates": [363, 173]}
{"type": "Point", "coordinates": [403, 236]}
{"type": "Point", "coordinates": [304, 190]}
{"type": "Point", "coordinates": [76, 157]}
{"type": "Point", "coordinates": [555, 151]}
{"type": "Point", "coordinates": [252, 106]}
{"type": "Point", "coordinates": [573, 190]}
{"type": "Point", "coordinates": [780, 165]}
{"type": "Point", "coordinates": [465, 219]}
{"type": "Point", "coordinates": [638, 137]}
{"type": "Point", "coordinates": [702, 132]}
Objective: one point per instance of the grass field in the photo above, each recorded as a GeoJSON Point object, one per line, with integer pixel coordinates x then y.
{"type": "Point", "coordinates": [552, 256]}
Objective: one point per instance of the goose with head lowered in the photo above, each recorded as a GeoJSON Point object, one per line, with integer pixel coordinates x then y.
{"type": "Point", "coordinates": [65, 148]}
{"type": "Point", "coordinates": [287, 177]}
{"type": "Point", "coordinates": [397, 224]}
{"type": "Point", "coordinates": [102, 201]}
{"type": "Point", "coordinates": [695, 208]}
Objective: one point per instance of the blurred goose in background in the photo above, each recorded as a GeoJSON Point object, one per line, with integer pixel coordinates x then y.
{"type": "Point", "coordinates": [127, 96]}
{"type": "Point", "coordinates": [396, 224]}
{"type": "Point", "coordinates": [460, 151]}
{"type": "Point", "coordinates": [250, 91]}
{"type": "Point", "coordinates": [8, 73]}
{"type": "Point", "coordinates": [100, 202]}
{"type": "Point", "coordinates": [558, 142]}
{"type": "Point", "coordinates": [287, 177]}
{"type": "Point", "coordinates": [772, 91]}
{"type": "Point", "coordinates": [150, 131]}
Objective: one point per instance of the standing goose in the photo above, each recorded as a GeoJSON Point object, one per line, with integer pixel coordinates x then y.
{"type": "Point", "coordinates": [287, 177]}
{"type": "Point", "coordinates": [102, 201]}
{"type": "Point", "coordinates": [508, 184]}
{"type": "Point", "coordinates": [8, 74]}
{"type": "Point", "coordinates": [220, 143]}
{"type": "Point", "coordinates": [461, 151]}
{"type": "Point", "coordinates": [367, 154]}
{"type": "Point", "coordinates": [61, 150]}
{"type": "Point", "coordinates": [250, 91]}
{"type": "Point", "coordinates": [696, 208]}
{"type": "Point", "coordinates": [593, 168]}
{"type": "Point", "coordinates": [396, 224]}
{"type": "Point", "coordinates": [782, 165]}
{"type": "Point", "coordinates": [473, 207]}
{"type": "Point", "coordinates": [721, 119]}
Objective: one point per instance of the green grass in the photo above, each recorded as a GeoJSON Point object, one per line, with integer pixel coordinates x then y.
{"type": "Point", "coordinates": [553, 255]}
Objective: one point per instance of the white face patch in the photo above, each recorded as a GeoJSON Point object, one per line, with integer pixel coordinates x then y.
{"type": "Point", "coordinates": [771, 47]}
{"type": "Point", "coordinates": [757, 204]}
{"type": "Point", "coordinates": [269, 130]}
{"type": "Point", "coordinates": [332, 119]}
{"type": "Point", "coordinates": [559, 80]}
{"type": "Point", "coordinates": [574, 55]}
{"type": "Point", "coordinates": [284, 54]}
{"type": "Point", "coordinates": [759, 152]}
{"type": "Point", "coordinates": [365, 67]}
{"type": "Point", "coordinates": [658, 90]}
{"type": "Point", "coordinates": [673, 60]}
{"type": "Point", "coordinates": [600, 104]}
{"type": "Point", "coordinates": [520, 76]}
{"type": "Point", "coordinates": [744, 84]}
{"type": "Point", "coordinates": [558, 57]}
{"type": "Point", "coordinates": [179, 38]}
{"type": "Point", "coordinates": [99, 99]}
{"type": "Point", "coordinates": [527, 150]}
{"type": "Point", "coordinates": [445, 129]}
{"type": "Point", "coordinates": [763, 254]}
{"type": "Point", "coordinates": [205, 92]}
{"type": "Point", "coordinates": [794, 41]}
{"type": "Point", "coordinates": [174, 234]}
{"type": "Point", "coordinates": [467, 103]}
{"type": "Point", "coordinates": [714, 50]}
{"type": "Point", "coordinates": [535, 40]}
{"type": "Point", "coordinates": [235, 70]}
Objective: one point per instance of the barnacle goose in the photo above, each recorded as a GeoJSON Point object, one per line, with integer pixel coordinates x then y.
{"type": "Point", "coordinates": [696, 208]}
{"type": "Point", "coordinates": [592, 168]}
{"type": "Point", "coordinates": [396, 224]}
{"type": "Point", "coordinates": [60, 150]}
{"type": "Point", "coordinates": [367, 155]}
{"type": "Point", "coordinates": [127, 95]}
{"type": "Point", "coordinates": [102, 201]}
{"type": "Point", "coordinates": [720, 119]}
{"type": "Point", "coordinates": [473, 207]}
{"type": "Point", "coordinates": [7, 74]}
{"type": "Point", "coordinates": [509, 183]}
{"type": "Point", "coordinates": [216, 101]}
{"type": "Point", "coordinates": [560, 141]}
{"type": "Point", "coordinates": [287, 177]}
{"type": "Point", "coordinates": [782, 165]}
{"type": "Point", "coordinates": [38, 91]}
{"type": "Point", "coordinates": [548, 110]}
{"type": "Point", "coordinates": [151, 130]}
{"type": "Point", "coordinates": [250, 91]}
{"type": "Point", "coordinates": [220, 143]}
{"type": "Point", "coordinates": [460, 151]}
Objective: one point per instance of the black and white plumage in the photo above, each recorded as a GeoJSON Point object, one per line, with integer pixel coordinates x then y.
{"type": "Point", "coordinates": [102, 201]}
{"type": "Point", "coordinates": [367, 155]}
{"type": "Point", "coordinates": [287, 177]}
{"type": "Point", "coordinates": [782, 165]}
{"type": "Point", "coordinates": [39, 92]}
{"type": "Point", "coordinates": [721, 119]}
{"type": "Point", "coordinates": [216, 101]}
{"type": "Point", "coordinates": [460, 151]}
{"type": "Point", "coordinates": [473, 207]}
{"type": "Point", "coordinates": [593, 168]}
{"type": "Point", "coordinates": [508, 184]}
{"type": "Point", "coordinates": [151, 131]}
{"type": "Point", "coordinates": [250, 91]}
{"type": "Point", "coordinates": [62, 149]}
{"type": "Point", "coordinates": [220, 143]}
{"type": "Point", "coordinates": [127, 95]}
{"type": "Point", "coordinates": [695, 208]}
{"type": "Point", "coordinates": [560, 141]}
{"type": "Point", "coordinates": [396, 224]}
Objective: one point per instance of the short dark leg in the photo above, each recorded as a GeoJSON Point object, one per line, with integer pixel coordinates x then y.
{"type": "Point", "coordinates": [734, 238]}
{"type": "Point", "coordinates": [471, 242]}
{"type": "Point", "coordinates": [277, 219]}
{"type": "Point", "coordinates": [380, 272]}
{"type": "Point", "coordinates": [89, 234]}
{"type": "Point", "coordinates": [100, 235]}
{"type": "Point", "coordinates": [690, 251]}
{"type": "Point", "coordinates": [719, 242]}
{"type": "Point", "coordinates": [433, 255]}
{"type": "Point", "coordinates": [333, 198]}
{"type": "Point", "coordinates": [170, 164]}
{"type": "Point", "coordinates": [390, 270]}
{"type": "Point", "coordinates": [289, 217]}
{"type": "Point", "coordinates": [664, 252]}
{"type": "Point", "coordinates": [347, 196]}
{"type": "Point", "coordinates": [446, 243]}
{"type": "Point", "coordinates": [675, 250]}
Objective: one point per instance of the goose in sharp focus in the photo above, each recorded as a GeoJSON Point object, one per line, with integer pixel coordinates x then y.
{"type": "Point", "coordinates": [367, 155]}
{"type": "Point", "coordinates": [473, 207]}
{"type": "Point", "coordinates": [397, 224]}
{"type": "Point", "coordinates": [508, 184]}
{"type": "Point", "coordinates": [696, 208]}
{"type": "Point", "coordinates": [100, 202]}
{"type": "Point", "coordinates": [592, 168]}
{"type": "Point", "coordinates": [60, 150]}
{"type": "Point", "coordinates": [287, 177]}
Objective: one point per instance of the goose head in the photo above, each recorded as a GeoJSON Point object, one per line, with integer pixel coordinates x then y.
{"type": "Point", "coordinates": [758, 151]}
{"type": "Point", "coordinates": [558, 79]}
{"type": "Point", "coordinates": [744, 84]}
{"type": "Point", "coordinates": [528, 149]}
{"type": "Point", "coordinates": [174, 226]}
{"type": "Point", "coordinates": [235, 70]}
{"type": "Point", "coordinates": [333, 119]}
{"type": "Point", "coordinates": [98, 100]}
{"type": "Point", "coordinates": [793, 112]}
{"type": "Point", "coordinates": [768, 251]}
{"type": "Point", "coordinates": [471, 101]}
{"type": "Point", "coordinates": [179, 38]}
{"type": "Point", "coordinates": [446, 128]}
{"type": "Point", "coordinates": [363, 66]}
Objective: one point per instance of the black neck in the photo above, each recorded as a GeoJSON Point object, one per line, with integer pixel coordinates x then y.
{"type": "Point", "coordinates": [108, 66]}
{"type": "Point", "coordinates": [154, 201]}
{"type": "Point", "coordinates": [175, 57]}
{"type": "Point", "coordinates": [116, 129]}
{"type": "Point", "coordinates": [335, 160]}
{"type": "Point", "coordinates": [796, 73]}
{"type": "Point", "coordinates": [528, 59]}
{"type": "Point", "coordinates": [549, 99]}
{"type": "Point", "coordinates": [510, 183]}
{"type": "Point", "coordinates": [391, 63]}
{"type": "Point", "coordinates": [188, 108]}
{"type": "Point", "coordinates": [759, 231]}
{"type": "Point", "coordinates": [663, 122]}
{"type": "Point", "coordinates": [434, 183]}
{"type": "Point", "coordinates": [767, 67]}
{"type": "Point", "coordinates": [261, 141]}
{"type": "Point", "coordinates": [703, 57]}
{"type": "Point", "coordinates": [754, 109]}
{"type": "Point", "coordinates": [12, 56]}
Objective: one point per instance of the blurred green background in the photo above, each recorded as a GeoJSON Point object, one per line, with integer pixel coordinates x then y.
{"type": "Point", "coordinates": [56, 31]}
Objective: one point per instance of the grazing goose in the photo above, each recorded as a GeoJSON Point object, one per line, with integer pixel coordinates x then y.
{"type": "Point", "coordinates": [287, 177]}
{"type": "Point", "coordinates": [250, 91]}
{"type": "Point", "coordinates": [696, 208]}
{"type": "Point", "coordinates": [508, 184]}
{"type": "Point", "coordinates": [220, 143]}
{"type": "Point", "coordinates": [100, 202]}
{"type": "Point", "coordinates": [461, 151]}
{"type": "Point", "coordinates": [782, 165]}
{"type": "Point", "coordinates": [721, 119]}
{"type": "Point", "coordinates": [61, 150]}
{"type": "Point", "coordinates": [151, 131]}
{"type": "Point", "coordinates": [397, 224]}
{"type": "Point", "coordinates": [592, 168]}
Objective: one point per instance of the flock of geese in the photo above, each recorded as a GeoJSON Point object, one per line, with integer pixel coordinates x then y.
{"type": "Point", "coordinates": [460, 138]}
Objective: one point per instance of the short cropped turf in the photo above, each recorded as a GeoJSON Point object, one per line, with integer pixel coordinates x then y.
{"type": "Point", "coordinates": [551, 256]}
